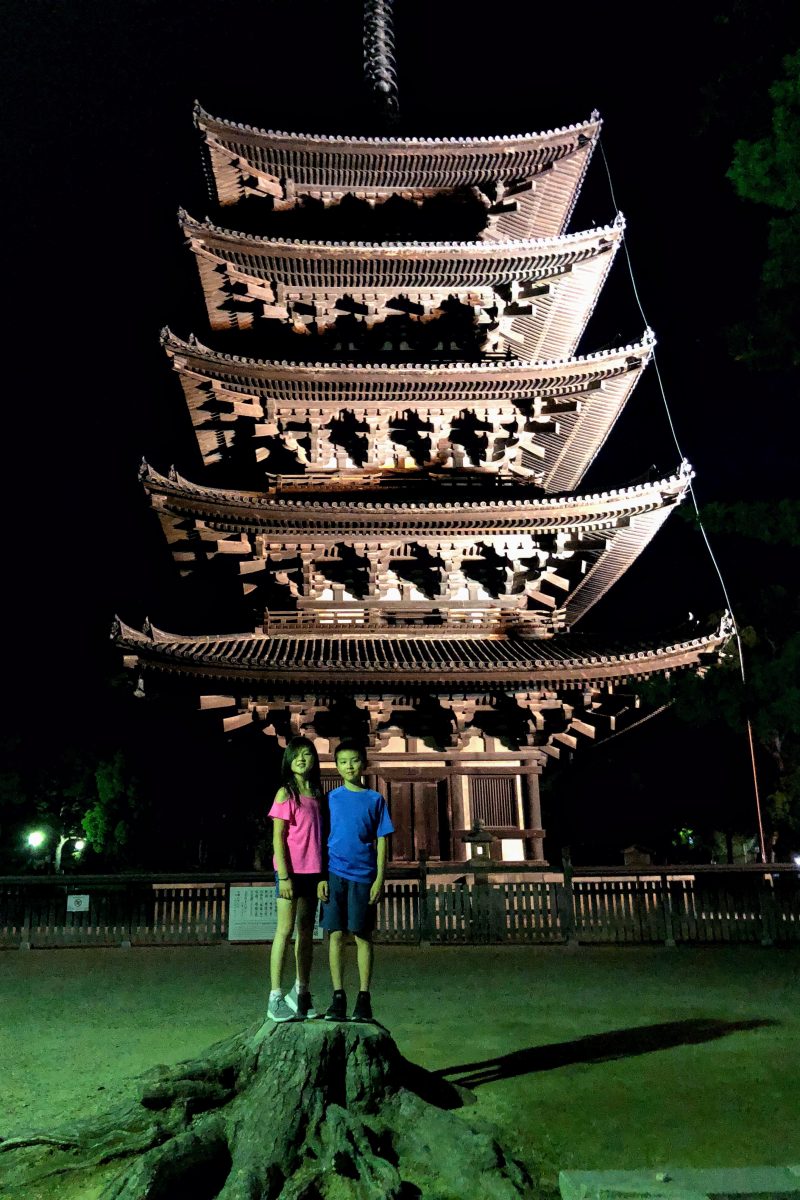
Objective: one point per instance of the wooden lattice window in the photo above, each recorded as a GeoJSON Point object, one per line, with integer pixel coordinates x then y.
{"type": "Point", "coordinates": [493, 800]}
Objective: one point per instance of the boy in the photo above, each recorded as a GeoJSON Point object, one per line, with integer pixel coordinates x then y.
{"type": "Point", "coordinates": [358, 819]}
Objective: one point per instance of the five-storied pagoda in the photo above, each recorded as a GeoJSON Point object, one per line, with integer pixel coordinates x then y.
{"type": "Point", "coordinates": [417, 537]}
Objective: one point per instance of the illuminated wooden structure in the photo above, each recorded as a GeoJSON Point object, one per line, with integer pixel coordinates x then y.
{"type": "Point", "coordinates": [528, 183]}
{"type": "Point", "coordinates": [420, 552]}
{"type": "Point", "coordinates": [543, 421]}
{"type": "Point", "coordinates": [530, 297]}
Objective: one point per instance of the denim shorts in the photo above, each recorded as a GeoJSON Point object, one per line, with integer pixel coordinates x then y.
{"type": "Point", "coordinates": [348, 906]}
{"type": "Point", "coordinates": [303, 886]}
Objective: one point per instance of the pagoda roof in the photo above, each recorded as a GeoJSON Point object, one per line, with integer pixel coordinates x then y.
{"type": "Point", "coordinates": [584, 395]}
{"type": "Point", "coordinates": [246, 160]}
{"type": "Point", "coordinates": [610, 528]}
{"type": "Point", "coordinates": [367, 660]}
{"type": "Point", "coordinates": [469, 262]}
{"type": "Point", "coordinates": [446, 378]}
{"type": "Point", "coordinates": [293, 513]}
{"type": "Point", "coordinates": [565, 272]}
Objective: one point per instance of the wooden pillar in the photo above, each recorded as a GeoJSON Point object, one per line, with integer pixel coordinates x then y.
{"type": "Point", "coordinates": [462, 813]}
{"type": "Point", "coordinates": [535, 815]}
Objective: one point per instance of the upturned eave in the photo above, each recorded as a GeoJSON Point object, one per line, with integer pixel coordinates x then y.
{"type": "Point", "coordinates": [232, 658]}
{"type": "Point", "coordinates": [533, 178]}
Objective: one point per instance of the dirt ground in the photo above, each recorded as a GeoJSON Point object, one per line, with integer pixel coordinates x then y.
{"type": "Point", "coordinates": [594, 1058]}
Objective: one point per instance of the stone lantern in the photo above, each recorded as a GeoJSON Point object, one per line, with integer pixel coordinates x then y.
{"type": "Point", "coordinates": [481, 842]}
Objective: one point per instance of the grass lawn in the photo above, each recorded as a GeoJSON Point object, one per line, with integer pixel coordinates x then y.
{"type": "Point", "coordinates": [595, 1058]}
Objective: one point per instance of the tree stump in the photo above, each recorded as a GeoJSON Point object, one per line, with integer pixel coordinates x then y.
{"type": "Point", "coordinates": [309, 1110]}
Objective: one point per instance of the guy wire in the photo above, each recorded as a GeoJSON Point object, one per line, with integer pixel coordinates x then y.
{"type": "Point", "coordinates": [700, 525]}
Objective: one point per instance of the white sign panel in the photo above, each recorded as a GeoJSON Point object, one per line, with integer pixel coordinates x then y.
{"type": "Point", "coordinates": [77, 903]}
{"type": "Point", "coordinates": [253, 915]}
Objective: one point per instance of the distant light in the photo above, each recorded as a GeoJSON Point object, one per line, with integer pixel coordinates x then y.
{"type": "Point", "coordinates": [796, 859]}
{"type": "Point", "coordinates": [36, 838]}
{"type": "Point", "coordinates": [80, 844]}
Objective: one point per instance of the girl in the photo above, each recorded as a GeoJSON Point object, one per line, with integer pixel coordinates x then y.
{"type": "Point", "coordinates": [297, 842]}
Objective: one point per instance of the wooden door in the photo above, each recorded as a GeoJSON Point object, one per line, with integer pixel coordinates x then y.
{"type": "Point", "coordinates": [421, 817]}
{"type": "Point", "coordinates": [426, 818]}
{"type": "Point", "coordinates": [401, 843]}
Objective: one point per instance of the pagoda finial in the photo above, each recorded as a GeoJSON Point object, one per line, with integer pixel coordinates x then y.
{"type": "Point", "coordinates": [380, 70]}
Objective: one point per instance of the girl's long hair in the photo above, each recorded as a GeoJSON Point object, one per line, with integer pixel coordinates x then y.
{"type": "Point", "coordinates": [313, 776]}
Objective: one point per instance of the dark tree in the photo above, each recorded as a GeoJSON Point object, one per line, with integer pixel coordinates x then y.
{"type": "Point", "coordinates": [766, 170]}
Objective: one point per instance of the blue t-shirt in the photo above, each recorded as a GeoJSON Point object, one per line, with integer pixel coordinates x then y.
{"type": "Point", "coordinates": [357, 819]}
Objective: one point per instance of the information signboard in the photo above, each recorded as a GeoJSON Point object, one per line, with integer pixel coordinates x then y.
{"type": "Point", "coordinates": [253, 914]}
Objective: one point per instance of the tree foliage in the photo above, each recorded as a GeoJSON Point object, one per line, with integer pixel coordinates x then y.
{"type": "Point", "coordinates": [761, 541]}
{"type": "Point", "coordinates": [769, 698]}
{"type": "Point", "coordinates": [775, 523]}
{"type": "Point", "coordinates": [116, 803]}
{"type": "Point", "coordinates": [68, 792]}
{"type": "Point", "coordinates": [766, 170]}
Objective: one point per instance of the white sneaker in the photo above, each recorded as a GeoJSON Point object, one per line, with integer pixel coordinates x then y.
{"type": "Point", "coordinates": [300, 1004]}
{"type": "Point", "coordinates": [279, 1010]}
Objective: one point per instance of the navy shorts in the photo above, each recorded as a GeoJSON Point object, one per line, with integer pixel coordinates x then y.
{"type": "Point", "coordinates": [348, 907]}
{"type": "Point", "coordinates": [303, 886]}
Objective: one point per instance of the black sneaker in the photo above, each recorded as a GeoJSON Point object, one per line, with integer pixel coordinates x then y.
{"type": "Point", "coordinates": [338, 1008]}
{"type": "Point", "coordinates": [305, 1007]}
{"type": "Point", "coordinates": [363, 1008]}
{"type": "Point", "coordinates": [300, 1004]}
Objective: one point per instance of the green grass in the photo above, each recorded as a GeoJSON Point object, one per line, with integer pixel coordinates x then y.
{"type": "Point", "coordinates": [607, 1058]}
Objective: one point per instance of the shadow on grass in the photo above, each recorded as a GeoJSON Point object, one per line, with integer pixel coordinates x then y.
{"type": "Point", "coordinates": [597, 1048]}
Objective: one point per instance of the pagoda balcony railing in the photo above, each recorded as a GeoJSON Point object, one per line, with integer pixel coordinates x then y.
{"type": "Point", "coordinates": [353, 478]}
{"type": "Point", "coordinates": [370, 619]}
{"type": "Point", "coordinates": [312, 480]}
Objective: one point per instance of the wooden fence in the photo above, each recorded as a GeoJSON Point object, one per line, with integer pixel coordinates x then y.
{"type": "Point", "coordinates": [139, 912]}
{"type": "Point", "coordinates": [667, 905]}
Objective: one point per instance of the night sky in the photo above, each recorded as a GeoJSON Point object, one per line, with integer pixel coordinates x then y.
{"type": "Point", "coordinates": [100, 151]}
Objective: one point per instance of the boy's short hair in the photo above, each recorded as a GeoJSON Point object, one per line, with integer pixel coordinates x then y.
{"type": "Point", "coordinates": [350, 744]}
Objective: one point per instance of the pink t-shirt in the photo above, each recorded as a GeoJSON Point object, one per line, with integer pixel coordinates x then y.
{"type": "Point", "coordinates": [303, 833]}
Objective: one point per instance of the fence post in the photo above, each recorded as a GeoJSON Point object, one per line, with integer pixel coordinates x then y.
{"type": "Point", "coordinates": [768, 910]}
{"type": "Point", "coordinates": [25, 931]}
{"type": "Point", "coordinates": [568, 921]}
{"type": "Point", "coordinates": [125, 941]}
{"type": "Point", "coordinates": [28, 917]}
{"type": "Point", "coordinates": [481, 931]}
{"type": "Point", "coordinates": [423, 909]}
{"type": "Point", "coordinates": [666, 908]}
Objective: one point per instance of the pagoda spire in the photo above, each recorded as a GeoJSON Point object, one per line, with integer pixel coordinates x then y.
{"type": "Point", "coordinates": [380, 69]}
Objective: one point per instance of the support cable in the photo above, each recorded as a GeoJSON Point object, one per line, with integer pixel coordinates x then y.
{"type": "Point", "coordinates": [700, 525]}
